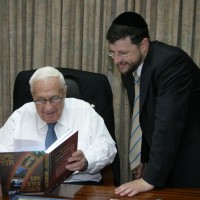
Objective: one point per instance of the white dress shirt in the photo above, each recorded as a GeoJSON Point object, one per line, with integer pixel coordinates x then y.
{"type": "Point", "coordinates": [25, 130]}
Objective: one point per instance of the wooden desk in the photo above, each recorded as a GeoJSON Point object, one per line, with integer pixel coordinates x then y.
{"type": "Point", "coordinates": [88, 192]}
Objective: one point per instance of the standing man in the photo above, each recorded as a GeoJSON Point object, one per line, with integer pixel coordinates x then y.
{"type": "Point", "coordinates": [168, 130]}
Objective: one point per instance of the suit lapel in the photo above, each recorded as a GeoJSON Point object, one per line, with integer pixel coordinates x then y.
{"type": "Point", "coordinates": [128, 81]}
{"type": "Point", "coordinates": [145, 78]}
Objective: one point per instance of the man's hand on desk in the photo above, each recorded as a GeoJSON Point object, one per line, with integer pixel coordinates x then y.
{"type": "Point", "coordinates": [77, 162]}
{"type": "Point", "coordinates": [134, 187]}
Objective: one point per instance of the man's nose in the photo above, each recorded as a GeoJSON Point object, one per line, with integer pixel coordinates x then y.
{"type": "Point", "coordinates": [48, 105]}
{"type": "Point", "coordinates": [116, 58]}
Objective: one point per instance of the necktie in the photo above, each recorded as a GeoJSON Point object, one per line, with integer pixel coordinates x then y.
{"type": "Point", "coordinates": [51, 135]}
{"type": "Point", "coordinates": [136, 133]}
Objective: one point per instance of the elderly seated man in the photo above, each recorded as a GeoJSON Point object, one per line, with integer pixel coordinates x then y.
{"type": "Point", "coordinates": [26, 128]}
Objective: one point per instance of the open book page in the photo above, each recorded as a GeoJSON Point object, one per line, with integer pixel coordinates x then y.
{"type": "Point", "coordinates": [60, 140]}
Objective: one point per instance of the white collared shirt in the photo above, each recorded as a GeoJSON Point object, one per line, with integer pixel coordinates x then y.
{"type": "Point", "coordinates": [24, 130]}
{"type": "Point", "coordinates": [139, 70]}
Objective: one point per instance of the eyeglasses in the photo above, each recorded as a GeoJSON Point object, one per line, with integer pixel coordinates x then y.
{"type": "Point", "coordinates": [120, 54]}
{"type": "Point", "coordinates": [52, 100]}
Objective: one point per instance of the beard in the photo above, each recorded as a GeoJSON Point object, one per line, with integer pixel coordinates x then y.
{"type": "Point", "coordinates": [129, 67]}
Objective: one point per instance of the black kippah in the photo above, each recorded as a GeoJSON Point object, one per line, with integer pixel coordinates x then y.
{"type": "Point", "coordinates": [131, 19]}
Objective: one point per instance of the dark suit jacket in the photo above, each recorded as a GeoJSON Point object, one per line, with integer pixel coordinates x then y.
{"type": "Point", "coordinates": [170, 116]}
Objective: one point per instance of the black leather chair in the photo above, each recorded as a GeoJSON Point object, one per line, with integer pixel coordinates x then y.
{"type": "Point", "coordinates": [91, 87]}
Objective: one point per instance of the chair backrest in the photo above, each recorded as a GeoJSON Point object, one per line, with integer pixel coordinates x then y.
{"type": "Point", "coordinates": [88, 86]}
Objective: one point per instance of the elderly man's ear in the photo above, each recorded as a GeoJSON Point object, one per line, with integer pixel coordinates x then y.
{"type": "Point", "coordinates": [65, 91]}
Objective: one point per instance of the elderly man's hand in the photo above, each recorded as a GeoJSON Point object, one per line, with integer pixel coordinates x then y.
{"type": "Point", "coordinates": [77, 162]}
{"type": "Point", "coordinates": [134, 187]}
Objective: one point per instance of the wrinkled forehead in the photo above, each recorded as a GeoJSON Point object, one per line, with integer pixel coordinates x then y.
{"type": "Point", "coordinates": [47, 85]}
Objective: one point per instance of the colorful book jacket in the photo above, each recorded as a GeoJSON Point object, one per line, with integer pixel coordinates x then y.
{"type": "Point", "coordinates": [36, 171]}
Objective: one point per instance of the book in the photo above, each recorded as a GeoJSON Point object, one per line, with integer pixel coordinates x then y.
{"type": "Point", "coordinates": [37, 171]}
{"type": "Point", "coordinates": [21, 197]}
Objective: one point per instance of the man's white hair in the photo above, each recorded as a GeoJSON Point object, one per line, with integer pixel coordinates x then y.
{"type": "Point", "coordinates": [44, 73]}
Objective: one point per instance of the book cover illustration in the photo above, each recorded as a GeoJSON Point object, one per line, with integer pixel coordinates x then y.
{"type": "Point", "coordinates": [22, 171]}
{"type": "Point", "coordinates": [37, 171]}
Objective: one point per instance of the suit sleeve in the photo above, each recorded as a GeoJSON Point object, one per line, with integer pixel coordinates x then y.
{"type": "Point", "coordinates": [173, 88]}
